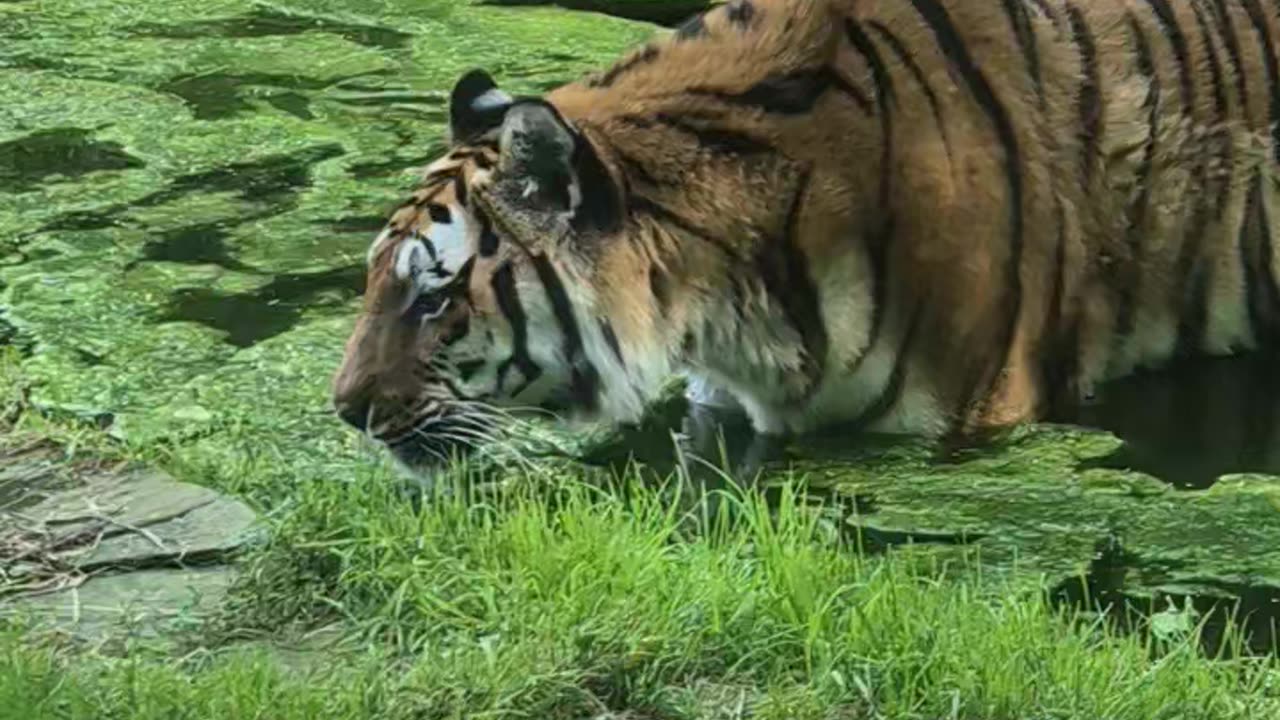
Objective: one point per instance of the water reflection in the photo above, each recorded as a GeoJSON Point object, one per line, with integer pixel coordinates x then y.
{"type": "Point", "coordinates": [1194, 422]}
{"type": "Point", "coordinates": [1187, 425]}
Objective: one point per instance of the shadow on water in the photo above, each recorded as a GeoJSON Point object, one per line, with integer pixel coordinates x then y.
{"type": "Point", "coordinates": [273, 181]}
{"type": "Point", "coordinates": [1235, 618]}
{"type": "Point", "coordinates": [266, 22]}
{"type": "Point", "coordinates": [1193, 422]}
{"type": "Point", "coordinates": [251, 317]}
{"type": "Point", "coordinates": [220, 95]}
{"type": "Point", "coordinates": [198, 244]}
{"type": "Point", "coordinates": [67, 152]}
{"type": "Point", "coordinates": [662, 12]}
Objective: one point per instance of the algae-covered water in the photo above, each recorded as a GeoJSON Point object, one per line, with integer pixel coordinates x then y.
{"type": "Point", "coordinates": [187, 190]}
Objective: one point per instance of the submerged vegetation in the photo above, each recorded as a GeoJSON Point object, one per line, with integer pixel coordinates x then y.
{"type": "Point", "coordinates": [186, 194]}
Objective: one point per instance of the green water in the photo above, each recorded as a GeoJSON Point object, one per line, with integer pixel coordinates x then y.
{"type": "Point", "coordinates": [187, 190]}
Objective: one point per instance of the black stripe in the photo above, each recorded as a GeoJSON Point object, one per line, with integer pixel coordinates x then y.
{"type": "Point", "coordinates": [584, 380]}
{"type": "Point", "coordinates": [436, 176]}
{"type": "Point", "coordinates": [1191, 283]}
{"type": "Point", "coordinates": [647, 55]}
{"type": "Point", "coordinates": [1058, 348]}
{"type": "Point", "coordinates": [740, 13]}
{"type": "Point", "coordinates": [885, 98]}
{"type": "Point", "coordinates": [664, 216]}
{"type": "Point", "coordinates": [601, 208]}
{"type": "Point", "coordinates": [1221, 107]}
{"type": "Point", "coordinates": [790, 94]}
{"type": "Point", "coordinates": [957, 53]}
{"type": "Point", "coordinates": [878, 255]}
{"type": "Point", "coordinates": [460, 190]}
{"type": "Point", "coordinates": [892, 390]}
{"type": "Point", "coordinates": [1194, 316]}
{"type": "Point", "coordinates": [1126, 285]}
{"type": "Point", "coordinates": [660, 287]}
{"type": "Point", "coordinates": [913, 67]}
{"type": "Point", "coordinates": [1026, 36]}
{"type": "Point", "coordinates": [717, 139]}
{"type": "Point", "coordinates": [1048, 11]}
{"type": "Point", "coordinates": [1232, 43]}
{"type": "Point", "coordinates": [1169, 26]}
{"type": "Point", "coordinates": [504, 290]}
{"type": "Point", "coordinates": [1255, 254]}
{"type": "Point", "coordinates": [1090, 111]}
{"type": "Point", "coordinates": [1259, 20]}
{"type": "Point", "coordinates": [785, 273]}
{"type": "Point", "coordinates": [611, 339]}
{"type": "Point", "coordinates": [439, 214]}
{"type": "Point", "coordinates": [489, 240]}
{"type": "Point", "coordinates": [1215, 64]}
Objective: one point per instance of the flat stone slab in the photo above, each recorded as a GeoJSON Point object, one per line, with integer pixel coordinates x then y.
{"type": "Point", "coordinates": [86, 543]}
{"type": "Point", "coordinates": [142, 602]}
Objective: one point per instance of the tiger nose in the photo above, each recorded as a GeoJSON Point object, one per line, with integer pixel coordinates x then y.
{"type": "Point", "coordinates": [353, 402]}
{"type": "Point", "coordinates": [354, 411]}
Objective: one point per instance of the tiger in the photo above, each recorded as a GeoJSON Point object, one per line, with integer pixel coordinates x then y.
{"type": "Point", "coordinates": [936, 218]}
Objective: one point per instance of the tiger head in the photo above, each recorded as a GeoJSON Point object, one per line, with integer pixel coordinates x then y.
{"type": "Point", "coordinates": [474, 299]}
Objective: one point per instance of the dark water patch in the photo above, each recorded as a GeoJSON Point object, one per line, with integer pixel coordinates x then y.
{"type": "Point", "coordinates": [30, 61]}
{"type": "Point", "coordinates": [200, 244]}
{"type": "Point", "coordinates": [268, 22]}
{"type": "Point", "coordinates": [67, 152]}
{"type": "Point", "coordinates": [295, 104]}
{"type": "Point", "coordinates": [87, 358]}
{"type": "Point", "coordinates": [272, 182]}
{"type": "Point", "coordinates": [1193, 422]}
{"type": "Point", "coordinates": [392, 97]}
{"type": "Point", "coordinates": [669, 13]}
{"type": "Point", "coordinates": [395, 164]}
{"type": "Point", "coordinates": [1187, 425]}
{"type": "Point", "coordinates": [1235, 618]}
{"type": "Point", "coordinates": [219, 95]}
{"type": "Point", "coordinates": [251, 317]}
{"type": "Point", "coordinates": [362, 224]}
{"type": "Point", "coordinates": [83, 220]}
{"type": "Point", "coordinates": [365, 171]}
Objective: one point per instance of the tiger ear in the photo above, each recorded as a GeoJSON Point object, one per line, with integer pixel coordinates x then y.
{"type": "Point", "coordinates": [476, 106]}
{"type": "Point", "coordinates": [536, 150]}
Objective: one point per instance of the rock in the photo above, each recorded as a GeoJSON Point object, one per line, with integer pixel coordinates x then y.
{"type": "Point", "coordinates": [145, 602]}
{"type": "Point", "coordinates": [89, 542]}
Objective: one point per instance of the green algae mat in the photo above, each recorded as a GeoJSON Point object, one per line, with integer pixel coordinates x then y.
{"type": "Point", "coordinates": [187, 190]}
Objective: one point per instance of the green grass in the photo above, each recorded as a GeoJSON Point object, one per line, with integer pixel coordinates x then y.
{"type": "Point", "coordinates": [579, 602]}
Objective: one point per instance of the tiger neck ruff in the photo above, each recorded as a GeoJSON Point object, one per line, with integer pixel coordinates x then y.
{"type": "Point", "coordinates": [921, 217]}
